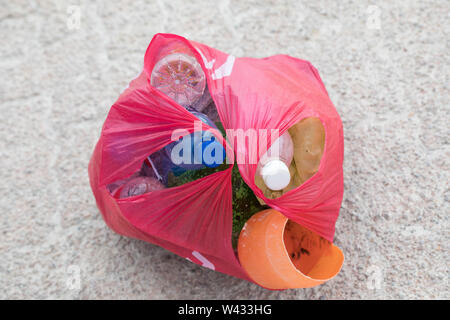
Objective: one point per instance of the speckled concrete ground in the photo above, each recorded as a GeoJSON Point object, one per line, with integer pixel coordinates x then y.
{"type": "Point", "coordinates": [386, 68]}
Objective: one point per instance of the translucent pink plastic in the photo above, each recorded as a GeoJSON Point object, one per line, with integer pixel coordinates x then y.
{"type": "Point", "coordinates": [195, 220]}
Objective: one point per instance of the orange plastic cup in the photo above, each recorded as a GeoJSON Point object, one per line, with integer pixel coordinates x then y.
{"type": "Point", "coordinates": [278, 253]}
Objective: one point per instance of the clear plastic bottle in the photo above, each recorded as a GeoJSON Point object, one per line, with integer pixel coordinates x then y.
{"type": "Point", "coordinates": [181, 78]}
{"type": "Point", "coordinates": [205, 101]}
{"type": "Point", "coordinates": [273, 166]}
{"type": "Point", "coordinates": [140, 185]}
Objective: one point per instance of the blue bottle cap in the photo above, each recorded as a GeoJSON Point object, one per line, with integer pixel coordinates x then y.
{"type": "Point", "coordinates": [213, 153]}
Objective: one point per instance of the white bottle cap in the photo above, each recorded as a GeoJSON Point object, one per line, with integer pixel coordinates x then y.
{"type": "Point", "coordinates": [276, 175]}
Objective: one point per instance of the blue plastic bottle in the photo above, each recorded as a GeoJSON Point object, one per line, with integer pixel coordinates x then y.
{"type": "Point", "coordinates": [203, 151]}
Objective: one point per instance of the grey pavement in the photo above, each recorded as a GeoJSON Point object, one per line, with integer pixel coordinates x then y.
{"type": "Point", "coordinates": [63, 64]}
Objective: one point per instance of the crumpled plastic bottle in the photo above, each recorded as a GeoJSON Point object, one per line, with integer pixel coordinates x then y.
{"type": "Point", "coordinates": [140, 185]}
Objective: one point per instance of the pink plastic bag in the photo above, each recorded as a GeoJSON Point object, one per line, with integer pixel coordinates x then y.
{"type": "Point", "coordinates": [194, 220]}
